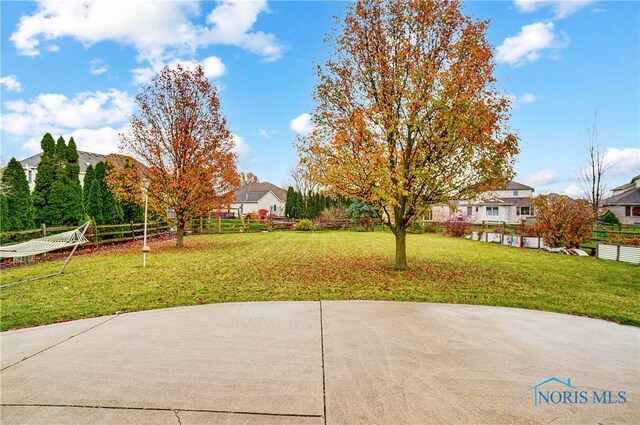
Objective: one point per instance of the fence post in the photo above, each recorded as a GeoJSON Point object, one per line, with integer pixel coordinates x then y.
{"type": "Point", "coordinates": [219, 225]}
{"type": "Point", "coordinates": [133, 232]}
{"type": "Point", "coordinates": [44, 229]}
{"type": "Point", "coordinates": [200, 225]}
{"type": "Point", "coordinates": [95, 233]}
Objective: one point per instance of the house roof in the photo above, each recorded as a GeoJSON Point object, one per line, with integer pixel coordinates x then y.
{"type": "Point", "coordinates": [84, 159]}
{"type": "Point", "coordinates": [626, 185]}
{"type": "Point", "coordinates": [519, 202]}
{"type": "Point", "coordinates": [631, 197]}
{"type": "Point", "coordinates": [517, 186]}
{"type": "Point", "coordinates": [253, 192]}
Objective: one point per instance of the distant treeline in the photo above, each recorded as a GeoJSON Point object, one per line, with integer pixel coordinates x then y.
{"type": "Point", "coordinates": [311, 204]}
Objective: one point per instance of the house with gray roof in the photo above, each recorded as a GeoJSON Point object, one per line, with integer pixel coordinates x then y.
{"type": "Point", "coordinates": [253, 197]}
{"type": "Point", "coordinates": [625, 202]}
{"type": "Point", "coordinates": [511, 204]}
{"type": "Point", "coordinates": [85, 159]}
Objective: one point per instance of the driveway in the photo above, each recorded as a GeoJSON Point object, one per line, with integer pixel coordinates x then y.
{"type": "Point", "coordinates": [333, 362]}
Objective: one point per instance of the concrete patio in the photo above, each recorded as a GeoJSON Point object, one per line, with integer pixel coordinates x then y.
{"type": "Point", "coordinates": [333, 362]}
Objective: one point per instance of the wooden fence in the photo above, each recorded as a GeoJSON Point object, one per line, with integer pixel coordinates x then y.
{"type": "Point", "coordinates": [97, 235]}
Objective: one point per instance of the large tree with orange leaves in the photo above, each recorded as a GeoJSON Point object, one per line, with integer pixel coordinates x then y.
{"type": "Point", "coordinates": [407, 114]}
{"type": "Point", "coordinates": [181, 137]}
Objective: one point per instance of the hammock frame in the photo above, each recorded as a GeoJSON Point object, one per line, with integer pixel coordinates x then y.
{"type": "Point", "coordinates": [75, 238]}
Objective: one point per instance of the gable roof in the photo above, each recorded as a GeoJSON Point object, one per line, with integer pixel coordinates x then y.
{"type": "Point", "coordinates": [631, 197]}
{"type": "Point", "coordinates": [84, 159]}
{"type": "Point", "coordinates": [513, 185]}
{"type": "Point", "coordinates": [253, 192]}
{"type": "Point", "coordinates": [626, 185]}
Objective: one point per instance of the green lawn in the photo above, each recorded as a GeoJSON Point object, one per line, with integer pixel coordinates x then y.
{"type": "Point", "coordinates": [326, 265]}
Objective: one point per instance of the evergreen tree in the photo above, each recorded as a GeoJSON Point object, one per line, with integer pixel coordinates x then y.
{"type": "Point", "coordinates": [57, 201]}
{"type": "Point", "coordinates": [94, 202]}
{"type": "Point", "coordinates": [300, 205]}
{"type": "Point", "coordinates": [109, 205]}
{"type": "Point", "coordinates": [4, 213]}
{"type": "Point", "coordinates": [61, 149]}
{"type": "Point", "coordinates": [311, 205]}
{"type": "Point", "coordinates": [19, 205]}
{"type": "Point", "coordinates": [45, 176]}
{"type": "Point", "coordinates": [290, 202]}
{"type": "Point", "coordinates": [89, 176]}
{"type": "Point", "coordinates": [132, 213]}
{"type": "Point", "coordinates": [74, 208]}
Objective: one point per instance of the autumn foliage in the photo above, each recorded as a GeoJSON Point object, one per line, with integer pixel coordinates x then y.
{"type": "Point", "coordinates": [562, 221]}
{"type": "Point", "coordinates": [407, 114]}
{"type": "Point", "coordinates": [180, 135]}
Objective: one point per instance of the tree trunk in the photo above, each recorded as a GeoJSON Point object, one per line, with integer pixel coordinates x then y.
{"type": "Point", "coordinates": [180, 236]}
{"type": "Point", "coordinates": [401, 249]}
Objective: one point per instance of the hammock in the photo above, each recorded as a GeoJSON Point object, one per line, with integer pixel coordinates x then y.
{"type": "Point", "coordinates": [69, 239]}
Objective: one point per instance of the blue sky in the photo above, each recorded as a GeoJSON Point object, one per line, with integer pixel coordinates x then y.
{"type": "Point", "coordinates": [74, 68]}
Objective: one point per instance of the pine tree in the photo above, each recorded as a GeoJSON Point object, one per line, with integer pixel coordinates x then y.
{"type": "Point", "coordinates": [109, 205]}
{"type": "Point", "coordinates": [94, 202]}
{"type": "Point", "coordinates": [290, 201]}
{"type": "Point", "coordinates": [57, 202]}
{"type": "Point", "coordinates": [89, 176]}
{"type": "Point", "coordinates": [19, 205]}
{"type": "Point", "coordinates": [300, 205]}
{"type": "Point", "coordinates": [4, 213]}
{"type": "Point", "coordinates": [45, 177]}
{"type": "Point", "coordinates": [74, 208]}
{"type": "Point", "coordinates": [61, 149]}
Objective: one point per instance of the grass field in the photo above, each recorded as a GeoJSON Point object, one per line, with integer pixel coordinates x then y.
{"type": "Point", "coordinates": [325, 265]}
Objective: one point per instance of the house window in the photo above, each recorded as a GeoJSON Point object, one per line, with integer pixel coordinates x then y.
{"type": "Point", "coordinates": [476, 209]}
{"type": "Point", "coordinates": [469, 211]}
{"type": "Point", "coordinates": [30, 176]}
{"type": "Point", "coordinates": [515, 193]}
{"type": "Point", "coordinates": [523, 210]}
{"type": "Point", "coordinates": [630, 211]}
{"type": "Point", "coordinates": [492, 210]}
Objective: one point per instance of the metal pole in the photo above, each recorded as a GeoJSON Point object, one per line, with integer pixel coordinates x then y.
{"type": "Point", "coordinates": [145, 248]}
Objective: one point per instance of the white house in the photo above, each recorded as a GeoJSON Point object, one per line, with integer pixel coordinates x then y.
{"type": "Point", "coordinates": [511, 205]}
{"type": "Point", "coordinates": [625, 202]}
{"type": "Point", "coordinates": [253, 197]}
{"type": "Point", "coordinates": [30, 165]}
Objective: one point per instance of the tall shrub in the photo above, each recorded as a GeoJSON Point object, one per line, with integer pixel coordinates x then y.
{"type": "Point", "coordinates": [563, 221]}
{"type": "Point", "coordinates": [19, 208]}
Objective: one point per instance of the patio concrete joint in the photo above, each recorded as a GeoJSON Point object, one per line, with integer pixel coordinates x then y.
{"type": "Point", "coordinates": [324, 388]}
{"type": "Point", "coordinates": [60, 342]}
{"type": "Point", "coordinates": [175, 412]}
{"type": "Point", "coordinates": [162, 409]}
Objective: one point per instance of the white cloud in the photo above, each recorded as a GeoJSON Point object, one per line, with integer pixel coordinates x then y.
{"type": "Point", "coordinates": [522, 100]}
{"type": "Point", "coordinates": [231, 23]}
{"type": "Point", "coordinates": [528, 45]}
{"type": "Point", "coordinates": [102, 140]}
{"type": "Point", "coordinates": [241, 148]}
{"type": "Point", "coordinates": [213, 68]}
{"type": "Point", "coordinates": [91, 117]}
{"type": "Point", "coordinates": [561, 8]}
{"type": "Point", "coordinates": [542, 177]}
{"type": "Point", "coordinates": [573, 191]}
{"type": "Point", "coordinates": [267, 134]}
{"type": "Point", "coordinates": [11, 83]}
{"type": "Point", "coordinates": [86, 109]}
{"type": "Point", "coordinates": [528, 98]}
{"type": "Point", "coordinates": [301, 124]}
{"type": "Point", "coordinates": [622, 161]}
{"type": "Point", "coordinates": [160, 31]}
{"type": "Point", "coordinates": [97, 67]}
